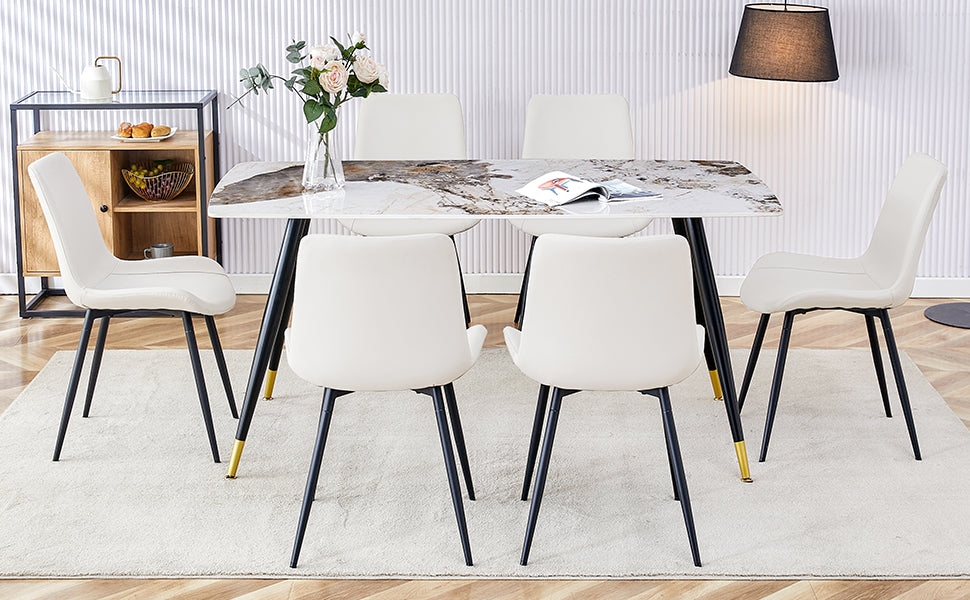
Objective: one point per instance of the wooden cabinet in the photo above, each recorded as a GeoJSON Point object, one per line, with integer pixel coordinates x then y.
{"type": "Point", "coordinates": [128, 223]}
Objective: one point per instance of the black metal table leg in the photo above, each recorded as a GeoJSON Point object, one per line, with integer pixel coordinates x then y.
{"type": "Point", "coordinates": [274, 358]}
{"type": "Point", "coordinates": [693, 230]}
{"type": "Point", "coordinates": [296, 229]}
{"type": "Point", "coordinates": [681, 229]}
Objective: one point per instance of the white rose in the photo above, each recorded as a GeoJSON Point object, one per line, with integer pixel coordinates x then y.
{"type": "Point", "coordinates": [333, 79]}
{"type": "Point", "coordinates": [366, 69]}
{"type": "Point", "coordinates": [321, 55]}
{"type": "Point", "coordinates": [358, 38]}
{"type": "Point", "coordinates": [382, 75]}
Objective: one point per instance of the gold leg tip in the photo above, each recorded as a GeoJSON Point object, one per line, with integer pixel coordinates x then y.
{"type": "Point", "coordinates": [270, 384]}
{"type": "Point", "coordinates": [743, 461]}
{"type": "Point", "coordinates": [716, 385]}
{"type": "Point", "coordinates": [237, 447]}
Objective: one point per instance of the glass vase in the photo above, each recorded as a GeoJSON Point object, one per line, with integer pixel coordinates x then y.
{"type": "Point", "coordinates": [323, 171]}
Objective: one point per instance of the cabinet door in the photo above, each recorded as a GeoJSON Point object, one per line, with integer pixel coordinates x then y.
{"type": "Point", "coordinates": [94, 167]}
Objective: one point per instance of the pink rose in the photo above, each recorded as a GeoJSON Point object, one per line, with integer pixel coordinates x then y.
{"type": "Point", "coordinates": [358, 38]}
{"type": "Point", "coordinates": [333, 79]}
{"type": "Point", "coordinates": [366, 69]}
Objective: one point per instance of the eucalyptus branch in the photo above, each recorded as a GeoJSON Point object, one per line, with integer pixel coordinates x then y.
{"type": "Point", "coordinates": [335, 74]}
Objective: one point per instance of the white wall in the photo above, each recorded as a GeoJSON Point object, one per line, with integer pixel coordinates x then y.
{"type": "Point", "coordinates": [829, 151]}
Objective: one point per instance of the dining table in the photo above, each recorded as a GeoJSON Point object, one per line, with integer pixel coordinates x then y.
{"type": "Point", "coordinates": [685, 191]}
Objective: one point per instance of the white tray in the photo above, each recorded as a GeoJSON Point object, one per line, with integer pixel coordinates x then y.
{"type": "Point", "coordinates": [148, 139]}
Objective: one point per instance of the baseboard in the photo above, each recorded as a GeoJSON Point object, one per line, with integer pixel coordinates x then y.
{"type": "Point", "coordinates": [475, 283]}
{"type": "Point", "coordinates": [926, 287]}
{"type": "Point", "coordinates": [727, 285]}
{"type": "Point", "coordinates": [509, 283]}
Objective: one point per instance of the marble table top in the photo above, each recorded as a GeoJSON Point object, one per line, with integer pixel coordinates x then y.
{"type": "Point", "coordinates": [486, 189]}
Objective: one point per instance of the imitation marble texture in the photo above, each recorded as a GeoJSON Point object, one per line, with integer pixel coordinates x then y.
{"type": "Point", "coordinates": [486, 189]}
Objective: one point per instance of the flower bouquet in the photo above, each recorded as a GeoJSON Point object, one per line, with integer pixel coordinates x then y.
{"type": "Point", "coordinates": [327, 76]}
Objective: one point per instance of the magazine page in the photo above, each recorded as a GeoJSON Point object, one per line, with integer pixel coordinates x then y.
{"type": "Point", "coordinates": [621, 190]}
{"type": "Point", "coordinates": [557, 188]}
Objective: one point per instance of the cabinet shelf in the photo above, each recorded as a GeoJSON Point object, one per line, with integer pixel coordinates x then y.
{"type": "Point", "coordinates": [181, 203]}
{"type": "Point", "coordinates": [140, 255]}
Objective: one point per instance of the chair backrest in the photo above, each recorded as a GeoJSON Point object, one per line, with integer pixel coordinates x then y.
{"type": "Point", "coordinates": [578, 126]}
{"type": "Point", "coordinates": [897, 241]}
{"type": "Point", "coordinates": [609, 314]}
{"type": "Point", "coordinates": [82, 255]}
{"type": "Point", "coordinates": [378, 313]}
{"type": "Point", "coordinates": [410, 127]}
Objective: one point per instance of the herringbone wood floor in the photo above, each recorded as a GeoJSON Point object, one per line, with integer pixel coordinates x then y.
{"type": "Point", "coordinates": [942, 353]}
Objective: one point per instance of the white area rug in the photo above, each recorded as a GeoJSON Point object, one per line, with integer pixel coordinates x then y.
{"type": "Point", "coordinates": [136, 493]}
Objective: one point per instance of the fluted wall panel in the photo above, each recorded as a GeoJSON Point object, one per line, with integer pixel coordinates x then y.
{"type": "Point", "coordinates": [828, 150]}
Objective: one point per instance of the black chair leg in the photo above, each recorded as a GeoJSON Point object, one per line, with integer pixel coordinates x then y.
{"type": "Point", "coordinates": [459, 435]}
{"type": "Point", "coordinates": [95, 364]}
{"type": "Point", "coordinates": [887, 332]}
{"type": "Point", "coordinates": [776, 382]}
{"type": "Point", "coordinates": [679, 478]}
{"type": "Point", "coordinates": [540, 485]}
{"type": "Point", "coordinates": [82, 347]}
{"type": "Point", "coordinates": [520, 305]}
{"type": "Point", "coordinates": [461, 280]}
{"type": "Point", "coordinates": [326, 412]}
{"type": "Point", "coordinates": [210, 324]}
{"type": "Point", "coordinates": [759, 338]}
{"type": "Point", "coordinates": [530, 463]}
{"type": "Point", "coordinates": [200, 383]}
{"type": "Point", "coordinates": [439, 409]}
{"type": "Point", "coordinates": [670, 457]}
{"type": "Point", "coordinates": [877, 362]}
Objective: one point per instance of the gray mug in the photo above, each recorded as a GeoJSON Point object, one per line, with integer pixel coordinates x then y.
{"type": "Point", "coordinates": [160, 251]}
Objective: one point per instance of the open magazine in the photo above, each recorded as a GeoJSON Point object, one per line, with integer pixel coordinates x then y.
{"type": "Point", "coordinates": [557, 188]}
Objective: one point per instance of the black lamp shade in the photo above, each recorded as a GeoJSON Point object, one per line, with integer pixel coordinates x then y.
{"type": "Point", "coordinates": [785, 43]}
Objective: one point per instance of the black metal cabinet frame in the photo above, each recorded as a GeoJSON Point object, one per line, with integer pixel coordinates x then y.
{"type": "Point", "coordinates": [40, 101]}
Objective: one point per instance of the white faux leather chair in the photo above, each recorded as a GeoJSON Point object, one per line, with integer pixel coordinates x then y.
{"type": "Point", "coordinates": [612, 315]}
{"type": "Point", "coordinates": [106, 286]}
{"type": "Point", "coordinates": [410, 127]}
{"type": "Point", "coordinates": [566, 127]}
{"type": "Point", "coordinates": [881, 279]}
{"type": "Point", "coordinates": [380, 314]}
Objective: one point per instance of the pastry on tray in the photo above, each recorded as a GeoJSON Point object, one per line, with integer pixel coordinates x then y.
{"type": "Point", "coordinates": [161, 131]}
{"type": "Point", "coordinates": [142, 130]}
{"type": "Point", "coordinates": [124, 130]}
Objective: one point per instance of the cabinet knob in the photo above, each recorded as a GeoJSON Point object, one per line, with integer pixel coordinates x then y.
{"type": "Point", "coordinates": [104, 208]}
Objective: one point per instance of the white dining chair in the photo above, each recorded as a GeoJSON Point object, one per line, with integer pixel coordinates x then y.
{"type": "Point", "coordinates": [581, 126]}
{"type": "Point", "coordinates": [380, 314]}
{"type": "Point", "coordinates": [871, 284]}
{"type": "Point", "coordinates": [411, 127]}
{"type": "Point", "coordinates": [402, 127]}
{"type": "Point", "coordinates": [607, 315]}
{"type": "Point", "coordinates": [106, 286]}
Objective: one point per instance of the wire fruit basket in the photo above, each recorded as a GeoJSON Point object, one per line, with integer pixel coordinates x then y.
{"type": "Point", "coordinates": [163, 186]}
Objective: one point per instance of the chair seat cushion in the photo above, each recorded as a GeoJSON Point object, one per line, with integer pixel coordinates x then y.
{"type": "Point", "coordinates": [393, 226]}
{"type": "Point", "coordinates": [599, 374]}
{"type": "Point", "coordinates": [183, 283]}
{"type": "Point", "coordinates": [783, 281]}
{"type": "Point", "coordinates": [409, 373]}
{"type": "Point", "coordinates": [588, 226]}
